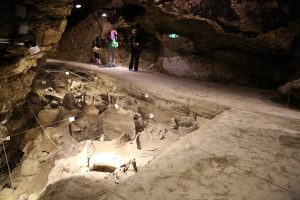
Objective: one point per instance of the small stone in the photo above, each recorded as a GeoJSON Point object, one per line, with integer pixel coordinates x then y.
{"type": "Point", "coordinates": [186, 122]}
{"type": "Point", "coordinates": [69, 101]}
{"type": "Point", "coordinates": [174, 124]}
{"type": "Point", "coordinates": [54, 104]}
{"type": "Point", "coordinates": [51, 94]}
{"type": "Point", "coordinates": [102, 138]}
{"type": "Point", "coordinates": [4, 121]}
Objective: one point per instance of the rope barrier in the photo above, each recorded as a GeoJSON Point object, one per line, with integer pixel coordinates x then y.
{"type": "Point", "coordinates": [49, 136]}
{"type": "Point", "coordinates": [73, 147]}
{"type": "Point", "coordinates": [9, 171]}
{"type": "Point", "coordinates": [46, 125]}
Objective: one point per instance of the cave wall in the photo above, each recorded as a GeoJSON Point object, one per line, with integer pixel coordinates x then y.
{"type": "Point", "coordinates": [76, 43]}
{"type": "Point", "coordinates": [243, 42]}
{"type": "Point", "coordinates": [47, 21]}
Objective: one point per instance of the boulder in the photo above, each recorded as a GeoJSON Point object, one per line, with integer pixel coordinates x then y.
{"type": "Point", "coordinates": [51, 94]}
{"type": "Point", "coordinates": [101, 106]}
{"type": "Point", "coordinates": [291, 89]}
{"type": "Point", "coordinates": [54, 104]}
{"type": "Point", "coordinates": [47, 116]}
{"type": "Point", "coordinates": [69, 101]}
{"type": "Point", "coordinates": [186, 122]}
{"type": "Point", "coordinates": [173, 124]}
{"type": "Point", "coordinates": [30, 167]}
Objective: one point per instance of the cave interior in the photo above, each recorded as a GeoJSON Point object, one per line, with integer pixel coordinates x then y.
{"type": "Point", "coordinates": [213, 111]}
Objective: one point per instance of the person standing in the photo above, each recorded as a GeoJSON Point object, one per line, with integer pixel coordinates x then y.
{"type": "Point", "coordinates": [96, 49]}
{"type": "Point", "coordinates": [135, 46]}
{"type": "Point", "coordinates": [113, 44]}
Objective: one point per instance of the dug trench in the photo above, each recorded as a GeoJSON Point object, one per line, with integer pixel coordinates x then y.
{"type": "Point", "coordinates": [91, 125]}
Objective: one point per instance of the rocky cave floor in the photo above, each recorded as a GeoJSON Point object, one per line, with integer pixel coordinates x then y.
{"type": "Point", "coordinates": [114, 134]}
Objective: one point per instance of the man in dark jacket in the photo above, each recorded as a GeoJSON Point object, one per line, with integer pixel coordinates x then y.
{"type": "Point", "coordinates": [96, 49]}
{"type": "Point", "coordinates": [135, 46]}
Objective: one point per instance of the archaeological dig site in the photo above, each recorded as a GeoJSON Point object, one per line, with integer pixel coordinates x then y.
{"type": "Point", "coordinates": [150, 100]}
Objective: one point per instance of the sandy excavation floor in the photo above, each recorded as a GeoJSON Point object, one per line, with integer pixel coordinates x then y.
{"type": "Point", "coordinates": [229, 142]}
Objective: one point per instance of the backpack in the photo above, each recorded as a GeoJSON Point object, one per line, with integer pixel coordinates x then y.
{"type": "Point", "coordinates": [112, 43]}
{"type": "Point", "coordinates": [109, 40]}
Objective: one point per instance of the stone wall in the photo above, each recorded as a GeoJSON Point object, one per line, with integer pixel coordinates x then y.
{"type": "Point", "coordinates": [242, 42]}
{"type": "Point", "coordinates": [47, 21]}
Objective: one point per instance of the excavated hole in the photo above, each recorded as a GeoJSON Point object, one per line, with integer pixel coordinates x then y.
{"type": "Point", "coordinates": [104, 168]}
{"type": "Point", "coordinates": [120, 134]}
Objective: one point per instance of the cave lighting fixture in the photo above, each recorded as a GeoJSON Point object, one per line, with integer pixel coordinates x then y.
{"type": "Point", "coordinates": [78, 4]}
{"type": "Point", "coordinates": [173, 35]}
{"type": "Point", "coordinates": [104, 14]}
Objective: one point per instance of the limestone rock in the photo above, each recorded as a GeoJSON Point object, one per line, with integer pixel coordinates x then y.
{"type": "Point", "coordinates": [101, 106]}
{"type": "Point", "coordinates": [50, 33]}
{"type": "Point", "coordinates": [47, 21]}
{"type": "Point", "coordinates": [47, 116]}
{"type": "Point", "coordinates": [173, 124]}
{"type": "Point", "coordinates": [51, 94]}
{"type": "Point", "coordinates": [3, 131]}
{"type": "Point", "coordinates": [69, 101]}
{"type": "Point", "coordinates": [54, 104]}
{"type": "Point", "coordinates": [187, 129]}
{"type": "Point", "coordinates": [30, 166]}
{"type": "Point", "coordinates": [291, 89]}
{"type": "Point", "coordinates": [186, 122]}
{"type": "Point", "coordinates": [208, 109]}
{"type": "Point", "coordinates": [76, 86]}
{"type": "Point", "coordinates": [123, 139]}
{"type": "Point", "coordinates": [114, 97]}
{"type": "Point", "coordinates": [33, 196]}
{"type": "Point", "coordinates": [6, 194]}
{"type": "Point", "coordinates": [57, 9]}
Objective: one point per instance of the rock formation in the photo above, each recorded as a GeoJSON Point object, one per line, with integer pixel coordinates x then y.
{"type": "Point", "coordinates": [46, 22]}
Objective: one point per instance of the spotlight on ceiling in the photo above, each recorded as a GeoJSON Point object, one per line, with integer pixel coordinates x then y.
{"type": "Point", "coordinates": [104, 15]}
{"type": "Point", "coordinates": [78, 5]}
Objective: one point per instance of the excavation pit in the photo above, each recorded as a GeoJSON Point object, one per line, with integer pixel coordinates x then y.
{"type": "Point", "coordinates": [104, 168]}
